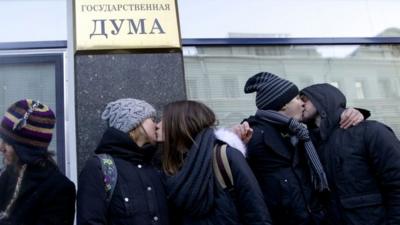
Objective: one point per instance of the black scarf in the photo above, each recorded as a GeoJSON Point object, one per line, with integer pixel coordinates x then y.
{"type": "Point", "coordinates": [318, 175]}
{"type": "Point", "coordinates": [192, 188]}
{"type": "Point", "coordinates": [118, 144]}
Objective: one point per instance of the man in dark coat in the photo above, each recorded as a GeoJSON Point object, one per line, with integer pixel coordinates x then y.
{"type": "Point", "coordinates": [362, 162]}
{"type": "Point", "coordinates": [32, 189]}
{"type": "Point", "coordinates": [279, 161]}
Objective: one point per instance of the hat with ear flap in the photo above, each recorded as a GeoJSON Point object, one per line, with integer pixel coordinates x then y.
{"type": "Point", "coordinates": [28, 126]}
{"type": "Point", "coordinates": [128, 113]}
{"type": "Point", "coordinates": [272, 92]}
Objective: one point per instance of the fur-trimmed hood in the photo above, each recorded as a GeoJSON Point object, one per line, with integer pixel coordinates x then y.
{"type": "Point", "coordinates": [231, 139]}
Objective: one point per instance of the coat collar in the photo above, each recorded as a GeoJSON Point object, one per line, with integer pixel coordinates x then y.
{"type": "Point", "coordinates": [274, 136]}
{"type": "Point", "coordinates": [118, 144]}
{"type": "Point", "coordinates": [231, 139]}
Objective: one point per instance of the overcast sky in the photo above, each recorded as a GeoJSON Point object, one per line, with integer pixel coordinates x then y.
{"type": "Point", "coordinates": [41, 20]}
{"type": "Point", "coordinates": [292, 18]}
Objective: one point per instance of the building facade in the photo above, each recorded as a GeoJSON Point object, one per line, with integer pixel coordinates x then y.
{"type": "Point", "coordinates": [353, 45]}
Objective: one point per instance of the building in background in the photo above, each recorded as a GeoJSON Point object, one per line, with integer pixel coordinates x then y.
{"type": "Point", "coordinates": [354, 45]}
{"type": "Point", "coordinates": [368, 75]}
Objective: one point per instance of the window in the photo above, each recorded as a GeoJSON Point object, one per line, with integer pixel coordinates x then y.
{"type": "Point", "coordinates": [191, 89]}
{"type": "Point", "coordinates": [347, 67]}
{"type": "Point", "coordinates": [359, 90]}
{"type": "Point", "coordinates": [387, 89]}
{"type": "Point", "coordinates": [231, 87]}
{"type": "Point", "coordinates": [37, 77]}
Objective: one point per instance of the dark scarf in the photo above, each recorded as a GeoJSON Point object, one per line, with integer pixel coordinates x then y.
{"type": "Point", "coordinates": [192, 188]}
{"type": "Point", "coordinates": [318, 175]}
{"type": "Point", "coordinates": [118, 144]}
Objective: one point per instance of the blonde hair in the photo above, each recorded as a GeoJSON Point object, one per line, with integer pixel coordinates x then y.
{"type": "Point", "coordinates": [139, 134]}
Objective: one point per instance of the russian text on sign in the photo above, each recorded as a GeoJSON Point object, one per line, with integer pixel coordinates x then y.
{"type": "Point", "coordinates": [138, 27]}
{"type": "Point", "coordinates": [124, 7]}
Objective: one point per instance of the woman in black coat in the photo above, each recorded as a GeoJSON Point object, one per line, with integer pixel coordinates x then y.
{"type": "Point", "coordinates": [138, 197]}
{"type": "Point", "coordinates": [32, 189]}
{"type": "Point", "coordinates": [194, 191]}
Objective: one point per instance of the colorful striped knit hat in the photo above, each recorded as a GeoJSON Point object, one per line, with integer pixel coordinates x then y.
{"type": "Point", "coordinates": [28, 126]}
{"type": "Point", "coordinates": [273, 92]}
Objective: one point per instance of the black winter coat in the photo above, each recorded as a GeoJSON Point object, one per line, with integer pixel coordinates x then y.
{"type": "Point", "coordinates": [362, 163]}
{"type": "Point", "coordinates": [284, 177]}
{"type": "Point", "coordinates": [46, 197]}
{"type": "Point", "coordinates": [242, 206]}
{"type": "Point", "coordinates": [138, 198]}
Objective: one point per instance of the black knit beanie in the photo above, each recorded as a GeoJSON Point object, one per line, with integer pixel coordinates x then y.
{"type": "Point", "coordinates": [273, 92]}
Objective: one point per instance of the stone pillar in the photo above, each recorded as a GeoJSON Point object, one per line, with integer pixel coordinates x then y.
{"type": "Point", "coordinates": [157, 78]}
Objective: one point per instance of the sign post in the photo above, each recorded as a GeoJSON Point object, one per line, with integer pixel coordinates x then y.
{"type": "Point", "coordinates": [123, 49]}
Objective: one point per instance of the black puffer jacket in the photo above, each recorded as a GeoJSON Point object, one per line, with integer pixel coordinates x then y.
{"type": "Point", "coordinates": [46, 197]}
{"type": "Point", "coordinates": [284, 177]}
{"type": "Point", "coordinates": [362, 163]}
{"type": "Point", "coordinates": [139, 196]}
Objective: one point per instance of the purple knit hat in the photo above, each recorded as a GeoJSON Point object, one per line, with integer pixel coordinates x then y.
{"type": "Point", "coordinates": [28, 126]}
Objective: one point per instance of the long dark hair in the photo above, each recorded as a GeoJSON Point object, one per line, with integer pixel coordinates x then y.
{"type": "Point", "coordinates": [182, 121]}
{"type": "Point", "coordinates": [20, 168]}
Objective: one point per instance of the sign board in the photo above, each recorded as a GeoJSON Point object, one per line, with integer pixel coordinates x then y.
{"type": "Point", "coordinates": [126, 24]}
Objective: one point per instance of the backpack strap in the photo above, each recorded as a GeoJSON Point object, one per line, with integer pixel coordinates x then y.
{"type": "Point", "coordinates": [223, 173]}
{"type": "Point", "coordinates": [221, 167]}
{"type": "Point", "coordinates": [110, 174]}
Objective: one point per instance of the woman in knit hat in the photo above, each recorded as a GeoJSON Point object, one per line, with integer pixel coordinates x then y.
{"type": "Point", "coordinates": [119, 185]}
{"type": "Point", "coordinates": [32, 189]}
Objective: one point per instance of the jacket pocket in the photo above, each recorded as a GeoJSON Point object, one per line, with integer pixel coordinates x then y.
{"type": "Point", "coordinates": [361, 200]}
{"type": "Point", "coordinates": [123, 203]}
{"type": "Point", "coordinates": [363, 209]}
